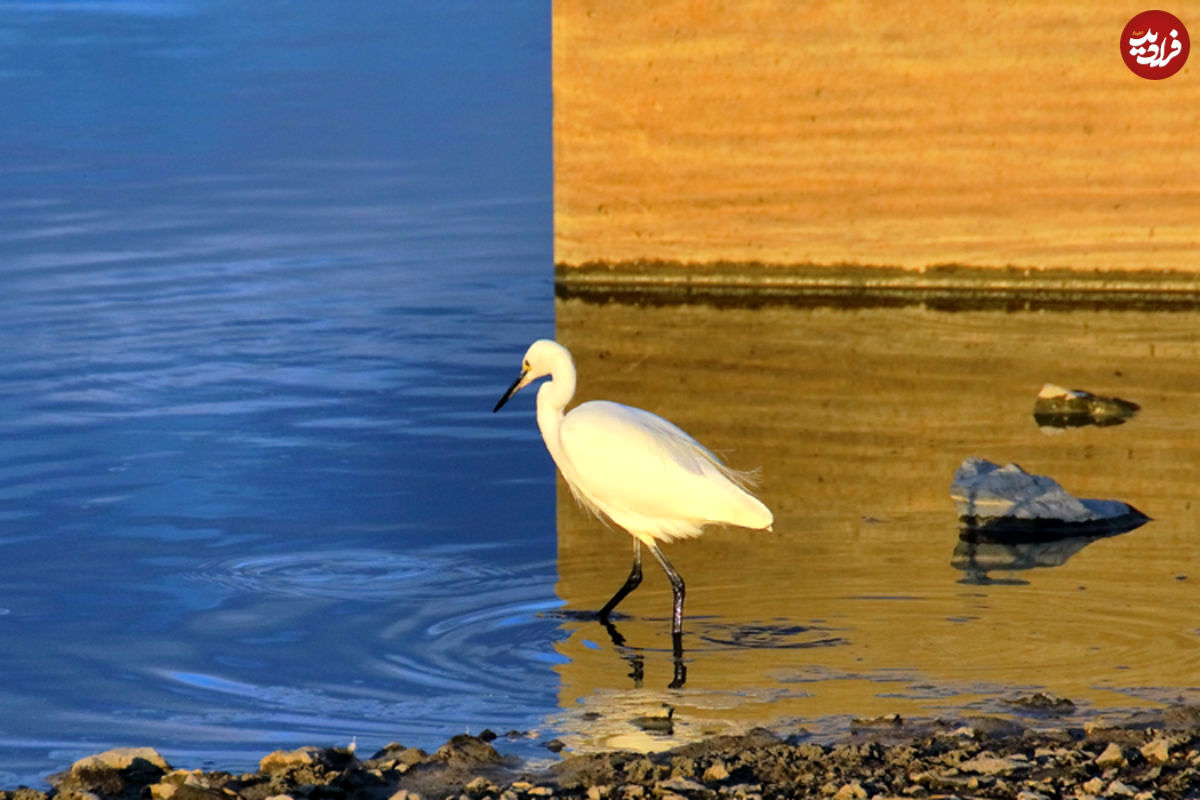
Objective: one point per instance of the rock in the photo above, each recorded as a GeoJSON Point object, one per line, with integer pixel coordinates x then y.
{"type": "Point", "coordinates": [851, 791]}
{"type": "Point", "coordinates": [122, 758]}
{"type": "Point", "coordinates": [984, 492]}
{"type": "Point", "coordinates": [1119, 789]}
{"type": "Point", "coordinates": [1157, 751]}
{"type": "Point", "coordinates": [397, 757]}
{"type": "Point", "coordinates": [716, 772]}
{"type": "Point", "coordinates": [1057, 407]}
{"type": "Point", "coordinates": [1111, 757]}
{"type": "Point", "coordinates": [124, 772]}
{"type": "Point", "coordinates": [468, 751]}
{"type": "Point", "coordinates": [881, 722]}
{"type": "Point", "coordinates": [1043, 703]}
{"type": "Point", "coordinates": [479, 786]}
{"type": "Point", "coordinates": [682, 785]}
{"type": "Point", "coordinates": [284, 760]}
{"type": "Point", "coordinates": [991, 765]}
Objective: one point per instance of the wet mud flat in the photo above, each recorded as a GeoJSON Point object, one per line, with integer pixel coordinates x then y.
{"type": "Point", "coordinates": [1153, 754]}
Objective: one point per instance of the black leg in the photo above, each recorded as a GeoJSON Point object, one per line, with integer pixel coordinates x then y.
{"type": "Point", "coordinates": [680, 668]}
{"type": "Point", "coordinates": [677, 589]}
{"type": "Point", "coordinates": [631, 583]}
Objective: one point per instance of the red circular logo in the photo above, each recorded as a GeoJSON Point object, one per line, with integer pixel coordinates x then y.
{"type": "Point", "coordinates": [1155, 45]}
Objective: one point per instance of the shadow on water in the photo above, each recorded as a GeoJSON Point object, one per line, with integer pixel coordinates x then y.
{"type": "Point", "coordinates": [858, 418]}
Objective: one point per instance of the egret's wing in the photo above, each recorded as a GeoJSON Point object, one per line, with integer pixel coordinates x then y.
{"type": "Point", "coordinates": [632, 464]}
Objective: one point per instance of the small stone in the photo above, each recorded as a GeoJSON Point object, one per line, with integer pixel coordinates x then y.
{"type": "Point", "coordinates": [1043, 702]}
{"type": "Point", "coordinates": [1029, 794]}
{"type": "Point", "coordinates": [1093, 787]}
{"type": "Point", "coordinates": [1111, 757]}
{"type": "Point", "coordinates": [717, 771]}
{"type": "Point", "coordinates": [597, 792]}
{"type": "Point", "coordinates": [991, 765]}
{"type": "Point", "coordinates": [681, 784]}
{"type": "Point", "coordinates": [885, 721]}
{"type": "Point", "coordinates": [540, 791]}
{"type": "Point", "coordinates": [1119, 789]}
{"type": "Point", "coordinates": [1157, 751]}
{"type": "Point", "coordinates": [479, 786]}
{"type": "Point", "coordinates": [851, 791]}
{"type": "Point", "coordinates": [520, 786]}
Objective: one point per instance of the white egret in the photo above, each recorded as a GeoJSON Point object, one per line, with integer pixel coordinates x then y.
{"type": "Point", "coordinates": [634, 468]}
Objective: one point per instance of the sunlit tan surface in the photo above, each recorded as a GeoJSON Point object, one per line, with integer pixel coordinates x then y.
{"type": "Point", "coordinates": [908, 134]}
{"type": "Point", "coordinates": [858, 419]}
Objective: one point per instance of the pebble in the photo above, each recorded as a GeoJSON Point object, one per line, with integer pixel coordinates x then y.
{"type": "Point", "coordinates": [716, 772]}
{"type": "Point", "coordinates": [1111, 757]}
{"type": "Point", "coordinates": [851, 791]}
{"type": "Point", "coordinates": [990, 765]}
{"type": "Point", "coordinates": [1157, 751]}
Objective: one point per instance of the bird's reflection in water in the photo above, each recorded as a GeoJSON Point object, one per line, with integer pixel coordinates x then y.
{"type": "Point", "coordinates": [1014, 547]}
{"type": "Point", "coordinates": [638, 661]}
{"type": "Point", "coordinates": [711, 635]}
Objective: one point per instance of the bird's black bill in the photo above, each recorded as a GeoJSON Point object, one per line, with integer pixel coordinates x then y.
{"type": "Point", "coordinates": [511, 391]}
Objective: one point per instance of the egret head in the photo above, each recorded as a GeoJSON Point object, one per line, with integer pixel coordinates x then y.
{"type": "Point", "coordinates": [541, 359]}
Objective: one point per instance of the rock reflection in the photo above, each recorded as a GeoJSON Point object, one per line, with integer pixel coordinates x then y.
{"type": "Point", "coordinates": [1015, 546]}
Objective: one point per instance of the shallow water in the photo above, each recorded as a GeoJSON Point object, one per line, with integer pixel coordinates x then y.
{"type": "Point", "coordinates": [863, 600]}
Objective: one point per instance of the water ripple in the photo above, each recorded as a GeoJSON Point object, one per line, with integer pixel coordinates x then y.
{"type": "Point", "coordinates": [353, 574]}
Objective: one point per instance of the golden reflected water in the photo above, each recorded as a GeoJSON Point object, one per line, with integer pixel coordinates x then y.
{"type": "Point", "coordinates": [857, 604]}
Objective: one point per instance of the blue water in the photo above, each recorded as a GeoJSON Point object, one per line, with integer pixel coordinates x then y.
{"type": "Point", "coordinates": [264, 268]}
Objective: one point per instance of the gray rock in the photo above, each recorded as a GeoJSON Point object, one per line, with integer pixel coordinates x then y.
{"type": "Point", "coordinates": [983, 491]}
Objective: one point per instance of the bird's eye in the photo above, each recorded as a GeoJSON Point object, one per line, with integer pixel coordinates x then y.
{"type": "Point", "coordinates": [525, 366]}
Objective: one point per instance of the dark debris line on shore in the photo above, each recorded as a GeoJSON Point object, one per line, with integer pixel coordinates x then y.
{"type": "Point", "coordinates": [1157, 757]}
{"type": "Point", "coordinates": [947, 287]}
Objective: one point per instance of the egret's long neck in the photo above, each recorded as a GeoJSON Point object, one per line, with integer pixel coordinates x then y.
{"type": "Point", "coordinates": [552, 398]}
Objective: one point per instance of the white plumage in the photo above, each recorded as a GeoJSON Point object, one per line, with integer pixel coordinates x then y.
{"type": "Point", "coordinates": [634, 468]}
